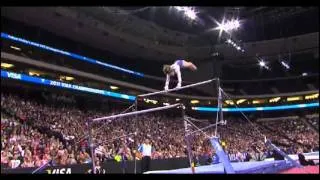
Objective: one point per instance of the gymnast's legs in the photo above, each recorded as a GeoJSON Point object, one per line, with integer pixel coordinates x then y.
{"type": "Point", "coordinates": [189, 65]}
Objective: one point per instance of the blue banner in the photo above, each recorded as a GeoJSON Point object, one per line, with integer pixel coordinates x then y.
{"type": "Point", "coordinates": [266, 108]}
{"type": "Point", "coordinates": [42, 81]}
{"type": "Point", "coordinates": [72, 55]}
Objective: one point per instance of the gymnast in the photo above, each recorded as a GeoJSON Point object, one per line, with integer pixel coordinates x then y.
{"type": "Point", "coordinates": [174, 69]}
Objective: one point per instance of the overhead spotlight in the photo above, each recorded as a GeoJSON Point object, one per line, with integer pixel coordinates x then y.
{"type": "Point", "coordinates": [236, 24]}
{"type": "Point", "coordinates": [285, 65]}
{"type": "Point", "coordinates": [238, 48]}
{"type": "Point", "coordinates": [229, 25]}
{"type": "Point", "coordinates": [262, 63]}
{"type": "Point", "coordinates": [179, 8]}
{"type": "Point", "coordinates": [190, 13]}
{"type": "Point", "coordinates": [304, 74]}
{"type": "Point", "coordinates": [242, 50]}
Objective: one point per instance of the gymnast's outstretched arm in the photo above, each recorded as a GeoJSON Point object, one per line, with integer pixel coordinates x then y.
{"type": "Point", "coordinates": [179, 77]}
{"type": "Point", "coordinates": [166, 87]}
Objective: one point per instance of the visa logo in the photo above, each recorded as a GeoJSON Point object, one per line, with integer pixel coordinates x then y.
{"type": "Point", "coordinates": [59, 171]}
{"type": "Point", "coordinates": [14, 75]}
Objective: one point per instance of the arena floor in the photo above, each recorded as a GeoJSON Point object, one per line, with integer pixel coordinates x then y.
{"type": "Point", "coordinates": [263, 167]}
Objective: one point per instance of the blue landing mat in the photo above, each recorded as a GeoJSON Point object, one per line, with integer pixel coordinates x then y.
{"type": "Point", "coordinates": [261, 167]}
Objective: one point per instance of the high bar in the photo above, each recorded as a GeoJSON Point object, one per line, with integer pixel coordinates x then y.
{"type": "Point", "coordinates": [136, 112]}
{"type": "Point", "coordinates": [176, 89]}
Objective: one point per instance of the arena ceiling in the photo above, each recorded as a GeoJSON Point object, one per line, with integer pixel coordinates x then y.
{"type": "Point", "coordinates": [172, 36]}
{"type": "Point", "coordinates": [270, 20]}
{"type": "Point", "coordinates": [72, 26]}
{"type": "Point", "coordinates": [266, 22]}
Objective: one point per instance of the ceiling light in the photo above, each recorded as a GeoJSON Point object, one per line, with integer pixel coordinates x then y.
{"type": "Point", "coordinates": [230, 102]}
{"type": "Point", "coordinates": [69, 78]}
{"type": "Point", "coordinates": [241, 101]}
{"type": "Point", "coordinates": [229, 25]}
{"type": "Point", "coordinates": [276, 99]}
{"type": "Point", "coordinates": [190, 13]}
{"type": "Point", "coordinates": [285, 65]}
{"type": "Point", "coordinates": [6, 65]}
{"type": "Point", "coordinates": [296, 98]}
{"type": "Point", "coordinates": [194, 101]}
{"type": "Point", "coordinates": [150, 100]}
{"type": "Point", "coordinates": [257, 101]}
{"type": "Point", "coordinates": [114, 87]}
{"type": "Point", "coordinates": [15, 48]}
{"type": "Point", "coordinates": [179, 8]}
{"type": "Point", "coordinates": [33, 73]}
{"type": "Point", "coordinates": [262, 63]}
{"type": "Point", "coordinates": [236, 24]}
{"type": "Point", "coordinates": [313, 96]}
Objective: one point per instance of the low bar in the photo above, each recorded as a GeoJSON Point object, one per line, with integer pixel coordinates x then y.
{"type": "Point", "coordinates": [136, 112]}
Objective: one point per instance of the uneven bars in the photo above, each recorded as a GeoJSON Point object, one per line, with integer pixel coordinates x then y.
{"type": "Point", "coordinates": [136, 112]}
{"type": "Point", "coordinates": [176, 89]}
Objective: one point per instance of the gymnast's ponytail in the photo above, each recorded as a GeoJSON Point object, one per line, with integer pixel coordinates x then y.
{"type": "Point", "coordinates": [166, 69]}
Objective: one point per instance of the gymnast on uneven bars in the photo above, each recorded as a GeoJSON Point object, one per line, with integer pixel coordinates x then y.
{"type": "Point", "coordinates": [174, 69]}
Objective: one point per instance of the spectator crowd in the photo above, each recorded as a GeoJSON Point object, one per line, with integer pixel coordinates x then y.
{"type": "Point", "coordinates": [34, 133]}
